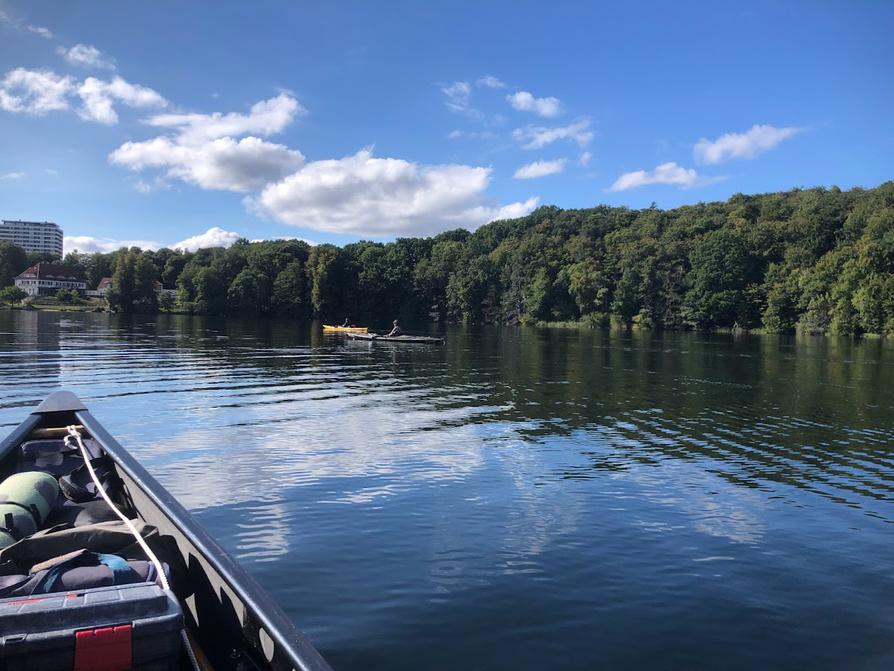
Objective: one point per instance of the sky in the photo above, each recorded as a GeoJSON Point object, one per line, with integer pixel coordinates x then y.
{"type": "Point", "coordinates": [195, 124]}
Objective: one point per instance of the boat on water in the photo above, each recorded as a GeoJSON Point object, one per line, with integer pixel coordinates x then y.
{"type": "Point", "coordinates": [344, 329]}
{"type": "Point", "coordinates": [82, 589]}
{"type": "Point", "coordinates": [372, 337]}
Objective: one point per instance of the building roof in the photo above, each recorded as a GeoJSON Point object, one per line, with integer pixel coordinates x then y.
{"type": "Point", "coordinates": [49, 271]}
{"type": "Point", "coordinates": [33, 223]}
{"type": "Point", "coordinates": [104, 283]}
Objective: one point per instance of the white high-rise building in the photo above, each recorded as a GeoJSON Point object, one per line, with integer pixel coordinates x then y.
{"type": "Point", "coordinates": [33, 236]}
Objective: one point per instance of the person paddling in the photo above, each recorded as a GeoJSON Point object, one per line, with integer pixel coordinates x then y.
{"type": "Point", "coordinates": [396, 331]}
{"type": "Point", "coordinates": [347, 323]}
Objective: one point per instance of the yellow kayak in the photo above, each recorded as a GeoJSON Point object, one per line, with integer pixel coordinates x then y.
{"type": "Point", "coordinates": [344, 329]}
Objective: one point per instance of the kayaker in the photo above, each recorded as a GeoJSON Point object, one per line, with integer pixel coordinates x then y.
{"type": "Point", "coordinates": [346, 324]}
{"type": "Point", "coordinates": [396, 331]}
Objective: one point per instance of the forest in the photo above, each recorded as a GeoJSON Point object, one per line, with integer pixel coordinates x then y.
{"type": "Point", "coordinates": [811, 260]}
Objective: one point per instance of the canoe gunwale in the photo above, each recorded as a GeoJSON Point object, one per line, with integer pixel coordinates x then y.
{"type": "Point", "coordinates": [286, 648]}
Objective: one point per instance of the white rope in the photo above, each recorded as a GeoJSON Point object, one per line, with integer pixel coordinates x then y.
{"type": "Point", "coordinates": [73, 433]}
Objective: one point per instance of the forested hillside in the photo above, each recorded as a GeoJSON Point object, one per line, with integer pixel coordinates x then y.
{"type": "Point", "coordinates": [816, 260]}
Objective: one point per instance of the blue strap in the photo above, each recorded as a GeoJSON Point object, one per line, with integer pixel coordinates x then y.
{"type": "Point", "coordinates": [122, 572]}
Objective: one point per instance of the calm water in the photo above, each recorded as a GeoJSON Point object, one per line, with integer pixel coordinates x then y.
{"type": "Point", "coordinates": [518, 499]}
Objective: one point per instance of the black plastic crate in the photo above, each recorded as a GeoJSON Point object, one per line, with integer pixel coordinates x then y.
{"type": "Point", "coordinates": [101, 629]}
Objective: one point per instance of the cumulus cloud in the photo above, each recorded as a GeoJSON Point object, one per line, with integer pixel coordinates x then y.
{"type": "Point", "coordinates": [203, 152]}
{"type": "Point", "coordinates": [526, 102]}
{"type": "Point", "coordinates": [666, 173]}
{"type": "Point", "coordinates": [213, 237]}
{"type": "Point", "coordinates": [225, 164]}
{"type": "Point", "coordinates": [86, 56]}
{"type": "Point", "coordinates": [540, 169]}
{"type": "Point", "coordinates": [537, 137]}
{"type": "Point", "coordinates": [45, 33]}
{"type": "Point", "coordinates": [365, 195]}
{"type": "Point", "coordinates": [265, 118]}
{"type": "Point", "coordinates": [40, 91]}
{"type": "Point", "coordinates": [12, 175]}
{"type": "Point", "coordinates": [753, 142]}
{"type": "Point", "coordinates": [98, 98]}
{"type": "Point", "coordinates": [34, 91]}
{"type": "Point", "coordinates": [87, 244]}
{"type": "Point", "coordinates": [585, 158]}
{"type": "Point", "coordinates": [491, 82]}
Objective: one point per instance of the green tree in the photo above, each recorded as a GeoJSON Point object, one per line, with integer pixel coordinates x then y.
{"type": "Point", "coordinates": [13, 261]}
{"type": "Point", "coordinates": [12, 294]}
{"type": "Point", "coordinates": [248, 293]}
{"type": "Point", "coordinates": [289, 291]}
{"type": "Point", "coordinates": [67, 295]}
{"type": "Point", "coordinates": [717, 281]}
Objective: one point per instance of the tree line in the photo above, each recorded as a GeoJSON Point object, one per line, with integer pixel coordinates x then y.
{"type": "Point", "coordinates": [814, 260]}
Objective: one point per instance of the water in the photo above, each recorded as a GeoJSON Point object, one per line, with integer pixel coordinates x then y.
{"type": "Point", "coordinates": [519, 499]}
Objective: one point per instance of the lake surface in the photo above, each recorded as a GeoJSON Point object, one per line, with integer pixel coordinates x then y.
{"type": "Point", "coordinates": [519, 498]}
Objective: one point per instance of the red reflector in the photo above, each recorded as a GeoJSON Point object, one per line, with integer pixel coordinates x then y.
{"type": "Point", "coordinates": [105, 649]}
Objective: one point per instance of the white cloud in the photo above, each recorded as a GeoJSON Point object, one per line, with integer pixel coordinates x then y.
{"type": "Point", "coordinates": [40, 91]}
{"type": "Point", "coordinates": [266, 118]}
{"type": "Point", "coordinates": [458, 95]}
{"type": "Point", "coordinates": [364, 195]}
{"type": "Point", "coordinates": [227, 164]}
{"type": "Point", "coordinates": [158, 183]}
{"type": "Point", "coordinates": [45, 33]}
{"type": "Point", "coordinates": [203, 151]}
{"type": "Point", "coordinates": [86, 56]}
{"type": "Point", "coordinates": [491, 82]}
{"type": "Point", "coordinates": [18, 24]}
{"type": "Point", "coordinates": [213, 237]}
{"type": "Point", "coordinates": [585, 158]}
{"type": "Point", "coordinates": [537, 137]}
{"type": "Point", "coordinates": [526, 102]}
{"type": "Point", "coordinates": [87, 244]}
{"type": "Point", "coordinates": [666, 173]}
{"type": "Point", "coordinates": [753, 142]}
{"type": "Point", "coordinates": [98, 98]}
{"type": "Point", "coordinates": [12, 175]}
{"type": "Point", "coordinates": [34, 91]}
{"type": "Point", "coordinates": [540, 169]}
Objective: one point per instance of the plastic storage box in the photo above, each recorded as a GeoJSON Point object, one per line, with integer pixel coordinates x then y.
{"type": "Point", "coordinates": [100, 629]}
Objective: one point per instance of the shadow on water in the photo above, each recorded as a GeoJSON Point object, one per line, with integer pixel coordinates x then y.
{"type": "Point", "coordinates": [519, 498]}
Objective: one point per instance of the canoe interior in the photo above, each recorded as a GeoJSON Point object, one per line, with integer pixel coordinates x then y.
{"type": "Point", "coordinates": [235, 624]}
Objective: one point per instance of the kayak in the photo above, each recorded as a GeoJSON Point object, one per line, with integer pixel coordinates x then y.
{"type": "Point", "coordinates": [345, 329]}
{"type": "Point", "coordinates": [372, 337]}
{"type": "Point", "coordinates": [174, 599]}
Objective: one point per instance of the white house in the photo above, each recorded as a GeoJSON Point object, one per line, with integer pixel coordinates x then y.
{"type": "Point", "coordinates": [47, 278]}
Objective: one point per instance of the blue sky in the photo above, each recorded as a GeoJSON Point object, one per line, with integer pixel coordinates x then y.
{"type": "Point", "coordinates": [337, 121]}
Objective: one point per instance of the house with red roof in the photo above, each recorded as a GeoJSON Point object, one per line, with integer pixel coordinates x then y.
{"type": "Point", "coordinates": [47, 278]}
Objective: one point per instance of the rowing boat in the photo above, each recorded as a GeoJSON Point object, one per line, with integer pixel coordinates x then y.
{"type": "Point", "coordinates": [219, 617]}
{"type": "Point", "coordinates": [372, 337]}
{"type": "Point", "coordinates": [345, 329]}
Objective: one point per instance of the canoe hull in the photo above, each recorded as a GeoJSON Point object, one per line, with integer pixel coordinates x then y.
{"type": "Point", "coordinates": [344, 329]}
{"type": "Point", "coordinates": [372, 337]}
